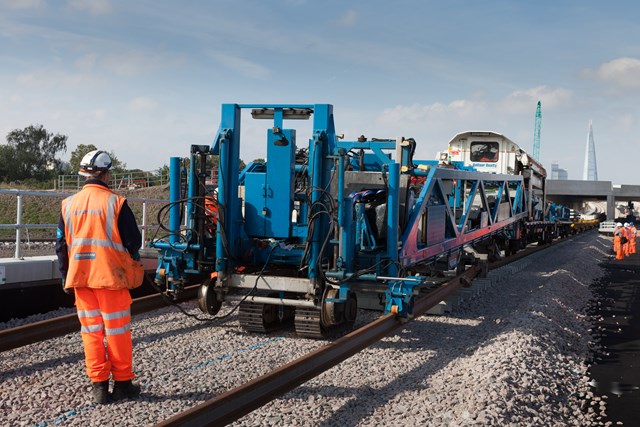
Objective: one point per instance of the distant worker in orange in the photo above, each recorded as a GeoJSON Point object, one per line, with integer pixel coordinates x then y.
{"type": "Point", "coordinates": [632, 238]}
{"type": "Point", "coordinates": [618, 234]}
{"type": "Point", "coordinates": [626, 241]}
{"type": "Point", "coordinates": [97, 243]}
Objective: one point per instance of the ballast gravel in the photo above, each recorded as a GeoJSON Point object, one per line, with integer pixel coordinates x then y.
{"type": "Point", "coordinates": [516, 354]}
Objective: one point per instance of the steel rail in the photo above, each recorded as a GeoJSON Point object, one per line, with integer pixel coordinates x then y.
{"type": "Point", "coordinates": [235, 403]}
{"type": "Point", "coordinates": [62, 325]}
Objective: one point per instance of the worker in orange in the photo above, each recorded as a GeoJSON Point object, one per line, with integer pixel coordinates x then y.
{"type": "Point", "coordinates": [632, 238]}
{"type": "Point", "coordinates": [97, 242]}
{"type": "Point", "coordinates": [617, 241]}
{"type": "Point", "coordinates": [626, 241]}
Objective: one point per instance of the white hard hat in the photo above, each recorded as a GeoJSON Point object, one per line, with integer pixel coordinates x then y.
{"type": "Point", "coordinates": [94, 162]}
{"type": "Point", "coordinates": [619, 224]}
{"type": "Point", "coordinates": [626, 224]}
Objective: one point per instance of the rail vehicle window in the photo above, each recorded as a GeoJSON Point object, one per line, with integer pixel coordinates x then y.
{"type": "Point", "coordinates": [484, 151]}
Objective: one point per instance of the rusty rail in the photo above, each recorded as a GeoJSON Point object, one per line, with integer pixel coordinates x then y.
{"type": "Point", "coordinates": [51, 328]}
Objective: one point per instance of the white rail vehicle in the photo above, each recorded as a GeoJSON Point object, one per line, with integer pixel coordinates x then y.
{"type": "Point", "coordinates": [493, 152]}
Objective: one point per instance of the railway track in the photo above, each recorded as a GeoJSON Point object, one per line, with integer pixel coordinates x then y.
{"type": "Point", "coordinates": [233, 404]}
{"type": "Point", "coordinates": [51, 328]}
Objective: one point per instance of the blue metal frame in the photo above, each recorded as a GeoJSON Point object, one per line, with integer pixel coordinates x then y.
{"type": "Point", "coordinates": [333, 237]}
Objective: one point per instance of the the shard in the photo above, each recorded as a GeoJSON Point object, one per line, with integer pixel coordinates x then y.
{"type": "Point", "coordinates": [590, 171]}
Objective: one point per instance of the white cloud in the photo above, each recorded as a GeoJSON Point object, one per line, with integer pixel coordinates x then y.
{"type": "Point", "coordinates": [22, 4]}
{"type": "Point", "coordinates": [241, 65]}
{"type": "Point", "coordinates": [348, 19]}
{"type": "Point", "coordinates": [55, 78]}
{"type": "Point", "coordinates": [92, 70]}
{"type": "Point", "coordinates": [522, 101]}
{"type": "Point", "coordinates": [94, 7]}
{"type": "Point", "coordinates": [516, 103]}
{"type": "Point", "coordinates": [621, 72]}
{"type": "Point", "coordinates": [417, 113]}
{"type": "Point", "coordinates": [128, 64]}
{"type": "Point", "coordinates": [432, 125]}
{"type": "Point", "coordinates": [142, 104]}
{"type": "Point", "coordinates": [133, 63]}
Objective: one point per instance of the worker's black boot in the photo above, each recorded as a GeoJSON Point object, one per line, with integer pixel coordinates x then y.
{"type": "Point", "coordinates": [100, 392]}
{"type": "Point", "coordinates": [125, 390]}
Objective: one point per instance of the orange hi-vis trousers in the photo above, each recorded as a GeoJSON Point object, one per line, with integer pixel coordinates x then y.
{"type": "Point", "coordinates": [617, 247]}
{"type": "Point", "coordinates": [106, 313]}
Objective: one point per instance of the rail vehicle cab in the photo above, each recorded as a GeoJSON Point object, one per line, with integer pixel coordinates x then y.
{"type": "Point", "coordinates": [492, 152]}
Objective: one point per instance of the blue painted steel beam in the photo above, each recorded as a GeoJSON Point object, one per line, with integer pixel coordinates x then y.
{"type": "Point", "coordinates": [174, 196]}
{"type": "Point", "coordinates": [228, 144]}
{"type": "Point", "coordinates": [393, 216]}
{"type": "Point", "coordinates": [276, 106]}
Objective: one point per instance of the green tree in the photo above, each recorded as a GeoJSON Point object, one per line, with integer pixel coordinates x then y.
{"type": "Point", "coordinates": [6, 162]}
{"type": "Point", "coordinates": [162, 174]}
{"type": "Point", "coordinates": [214, 161]}
{"type": "Point", "coordinates": [31, 153]}
{"type": "Point", "coordinates": [82, 149]}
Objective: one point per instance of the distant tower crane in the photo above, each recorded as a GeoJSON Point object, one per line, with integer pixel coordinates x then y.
{"type": "Point", "coordinates": [536, 132]}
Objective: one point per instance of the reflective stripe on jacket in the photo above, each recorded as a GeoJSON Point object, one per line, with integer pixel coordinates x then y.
{"type": "Point", "coordinates": [97, 257]}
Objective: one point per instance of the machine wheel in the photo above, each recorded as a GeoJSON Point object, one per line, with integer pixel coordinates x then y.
{"type": "Point", "coordinates": [332, 313]}
{"type": "Point", "coordinates": [207, 299]}
{"type": "Point", "coordinates": [351, 310]}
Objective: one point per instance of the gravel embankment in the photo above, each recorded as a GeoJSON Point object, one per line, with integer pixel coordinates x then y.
{"type": "Point", "coordinates": [8, 249]}
{"type": "Point", "coordinates": [517, 354]}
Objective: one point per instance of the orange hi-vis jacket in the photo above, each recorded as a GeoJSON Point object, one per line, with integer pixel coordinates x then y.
{"type": "Point", "coordinates": [617, 245]}
{"type": "Point", "coordinates": [97, 256]}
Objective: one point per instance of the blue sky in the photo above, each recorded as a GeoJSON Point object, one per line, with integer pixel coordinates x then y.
{"type": "Point", "coordinates": [146, 79]}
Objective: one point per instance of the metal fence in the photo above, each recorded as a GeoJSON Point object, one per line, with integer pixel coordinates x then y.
{"type": "Point", "coordinates": [126, 180]}
{"type": "Point", "coordinates": [37, 213]}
